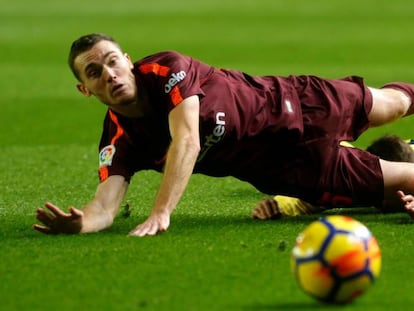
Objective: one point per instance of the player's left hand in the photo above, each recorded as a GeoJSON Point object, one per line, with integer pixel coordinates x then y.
{"type": "Point", "coordinates": [156, 222]}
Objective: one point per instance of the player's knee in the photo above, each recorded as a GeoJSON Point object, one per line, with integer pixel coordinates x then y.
{"type": "Point", "coordinates": [404, 103]}
{"type": "Point", "coordinates": [388, 105]}
{"type": "Point", "coordinates": [398, 101]}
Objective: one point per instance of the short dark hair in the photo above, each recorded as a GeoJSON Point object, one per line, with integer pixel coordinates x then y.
{"type": "Point", "coordinates": [83, 44]}
{"type": "Point", "coordinates": [392, 148]}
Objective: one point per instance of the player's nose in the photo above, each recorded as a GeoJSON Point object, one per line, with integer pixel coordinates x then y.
{"type": "Point", "coordinates": [108, 73]}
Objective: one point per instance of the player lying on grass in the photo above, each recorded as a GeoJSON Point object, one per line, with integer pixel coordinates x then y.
{"type": "Point", "coordinates": [177, 115]}
{"type": "Point", "coordinates": [388, 147]}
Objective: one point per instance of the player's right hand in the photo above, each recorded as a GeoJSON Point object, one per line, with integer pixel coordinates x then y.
{"type": "Point", "coordinates": [55, 221]}
{"type": "Point", "coordinates": [408, 201]}
{"type": "Point", "coordinates": [267, 209]}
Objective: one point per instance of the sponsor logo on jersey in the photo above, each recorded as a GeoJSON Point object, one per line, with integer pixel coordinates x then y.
{"type": "Point", "coordinates": [288, 105]}
{"type": "Point", "coordinates": [106, 155]}
{"type": "Point", "coordinates": [173, 80]}
{"type": "Point", "coordinates": [216, 136]}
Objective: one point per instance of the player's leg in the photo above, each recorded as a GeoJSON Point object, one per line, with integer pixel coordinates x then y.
{"type": "Point", "coordinates": [398, 176]}
{"type": "Point", "coordinates": [391, 102]}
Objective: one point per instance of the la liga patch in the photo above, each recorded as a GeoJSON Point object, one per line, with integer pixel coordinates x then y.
{"type": "Point", "coordinates": [106, 155]}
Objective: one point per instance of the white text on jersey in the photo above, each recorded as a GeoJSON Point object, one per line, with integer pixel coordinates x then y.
{"type": "Point", "coordinates": [215, 136]}
{"type": "Point", "coordinates": [174, 79]}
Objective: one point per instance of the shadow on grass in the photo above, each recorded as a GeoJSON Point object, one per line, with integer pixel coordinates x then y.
{"type": "Point", "coordinates": [293, 306]}
{"type": "Point", "coordinates": [184, 223]}
{"type": "Point", "coordinates": [181, 223]}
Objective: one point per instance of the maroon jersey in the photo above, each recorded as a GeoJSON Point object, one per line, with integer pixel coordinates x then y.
{"type": "Point", "coordinates": [263, 130]}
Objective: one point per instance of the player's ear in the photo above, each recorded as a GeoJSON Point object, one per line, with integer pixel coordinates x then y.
{"type": "Point", "coordinates": [81, 88]}
{"type": "Point", "coordinates": [131, 65]}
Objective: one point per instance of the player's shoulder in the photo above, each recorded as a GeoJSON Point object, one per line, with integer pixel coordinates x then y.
{"type": "Point", "coordinates": [161, 63]}
{"type": "Point", "coordinates": [161, 56]}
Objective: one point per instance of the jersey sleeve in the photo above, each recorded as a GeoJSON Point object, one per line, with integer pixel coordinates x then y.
{"type": "Point", "coordinates": [175, 76]}
{"type": "Point", "coordinates": [114, 148]}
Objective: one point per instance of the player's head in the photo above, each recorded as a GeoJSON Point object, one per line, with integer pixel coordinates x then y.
{"type": "Point", "coordinates": [392, 148]}
{"type": "Point", "coordinates": [84, 44]}
{"type": "Point", "coordinates": [102, 69]}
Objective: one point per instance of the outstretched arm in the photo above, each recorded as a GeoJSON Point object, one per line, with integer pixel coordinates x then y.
{"type": "Point", "coordinates": [94, 216]}
{"type": "Point", "coordinates": [182, 155]}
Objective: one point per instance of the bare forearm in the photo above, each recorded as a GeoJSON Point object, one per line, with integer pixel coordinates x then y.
{"type": "Point", "coordinates": [182, 155]}
{"type": "Point", "coordinates": [177, 172]}
{"type": "Point", "coordinates": [99, 214]}
{"type": "Point", "coordinates": [95, 218]}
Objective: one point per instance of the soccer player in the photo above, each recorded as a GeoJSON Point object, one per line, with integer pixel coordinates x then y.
{"type": "Point", "coordinates": [388, 147]}
{"type": "Point", "coordinates": [177, 115]}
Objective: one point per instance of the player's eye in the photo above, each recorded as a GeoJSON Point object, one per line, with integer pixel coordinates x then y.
{"type": "Point", "coordinates": [112, 61]}
{"type": "Point", "coordinates": [93, 73]}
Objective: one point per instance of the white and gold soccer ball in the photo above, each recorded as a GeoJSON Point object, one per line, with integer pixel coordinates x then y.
{"type": "Point", "coordinates": [336, 259]}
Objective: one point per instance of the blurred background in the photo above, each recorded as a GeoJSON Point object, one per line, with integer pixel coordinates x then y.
{"type": "Point", "coordinates": [39, 102]}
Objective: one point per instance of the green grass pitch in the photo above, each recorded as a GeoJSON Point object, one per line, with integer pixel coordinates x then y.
{"type": "Point", "coordinates": [213, 257]}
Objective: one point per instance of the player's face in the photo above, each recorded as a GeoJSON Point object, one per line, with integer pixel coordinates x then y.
{"type": "Point", "coordinates": [106, 72]}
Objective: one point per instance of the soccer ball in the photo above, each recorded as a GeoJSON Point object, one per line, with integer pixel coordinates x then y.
{"type": "Point", "coordinates": [336, 259]}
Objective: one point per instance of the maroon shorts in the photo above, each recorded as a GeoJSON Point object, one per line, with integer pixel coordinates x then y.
{"type": "Point", "coordinates": [318, 169]}
{"type": "Point", "coordinates": [335, 108]}
{"type": "Point", "coordinates": [322, 172]}
{"type": "Point", "coordinates": [325, 173]}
